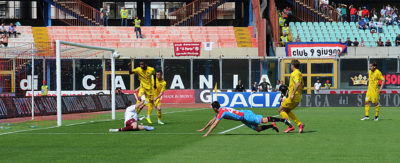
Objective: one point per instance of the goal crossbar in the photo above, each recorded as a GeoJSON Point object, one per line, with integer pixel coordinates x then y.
{"type": "Point", "coordinates": [58, 75]}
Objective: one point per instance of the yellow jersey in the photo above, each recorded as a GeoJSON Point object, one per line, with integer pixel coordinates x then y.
{"type": "Point", "coordinates": [160, 87]}
{"type": "Point", "coordinates": [374, 78]}
{"type": "Point", "coordinates": [296, 77]}
{"type": "Point", "coordinates": [145, 77]}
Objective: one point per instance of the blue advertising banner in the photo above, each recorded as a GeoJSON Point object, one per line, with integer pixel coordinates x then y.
{"type": "Point", "coordinates": [247, 99]}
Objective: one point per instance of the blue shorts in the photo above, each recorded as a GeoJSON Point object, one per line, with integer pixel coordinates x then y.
{"type": "Point", "coordinates": [250, 119]}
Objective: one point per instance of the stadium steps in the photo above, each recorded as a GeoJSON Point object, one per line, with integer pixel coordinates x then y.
{"type": "Point", "coordinates": [84, 14]}
{"type": "Point", "coordinates": [41, 38]}
{"type": "Point", "coordinates": [203, 11]}
{"type": "Point", "coordinates": [242, 37]}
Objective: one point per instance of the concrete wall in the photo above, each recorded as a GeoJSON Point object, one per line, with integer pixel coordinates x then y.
{"type": "Point", "coordinates": [169, 52]}
{"type": "Point", "coordinates": [357, 52]}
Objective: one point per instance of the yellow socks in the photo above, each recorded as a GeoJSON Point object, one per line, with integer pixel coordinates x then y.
{"type": "Point", "coordinates": [367, 110]}
{"type": "Point", "coordinates": [294, 118]}
{"type": "Point", "coordinates": [159, 115]}
{"type": "Point", "coordinates": [377, 110]}
{"type": "Point", "coordinates": [149, 109]}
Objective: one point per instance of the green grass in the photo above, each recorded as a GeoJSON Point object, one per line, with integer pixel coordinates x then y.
{"type": "Point", "coordinates": [331, 135]}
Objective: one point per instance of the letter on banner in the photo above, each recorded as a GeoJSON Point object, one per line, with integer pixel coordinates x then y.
{"type": "Point", "coordinates": [203, 80]}
{"type": "Point", "coordinates": [276, 100]}
{"type": "Point", "coordinates": [85, 82]}
{"type": "Point", "coordinates": [235, 80]}
{"type": "Point", "coordinates": [235, 101]}
{"type": "Point", "coordinates": [251, 100]}
{"type": "Point", "coordinates": [226, 99]}
{"type": "Point", "coordinates": [119, 83]}
{"type": "Point", "coordinates": [26, 84]}
{"type": "Point", "coordinates": [177, 82]}
{"type": "Point", "coordinates": [267, 104]}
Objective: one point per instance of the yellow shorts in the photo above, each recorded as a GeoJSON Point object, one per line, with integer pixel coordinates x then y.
{"type": "Point", "coordinates": [157, 102]}
{"type": "Point", "coordinates": [289, 104]}
{"type": "Point", "coordinates": [372, 96]}
{"type": "Point", "coordinates": [149, 93]}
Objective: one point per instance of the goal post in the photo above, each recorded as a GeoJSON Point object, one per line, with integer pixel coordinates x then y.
{"type": "Point", "coordinates": [113, 54]}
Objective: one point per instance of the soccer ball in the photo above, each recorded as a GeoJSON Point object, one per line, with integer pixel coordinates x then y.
{"type": "Point", "coordinates": [116, 55]}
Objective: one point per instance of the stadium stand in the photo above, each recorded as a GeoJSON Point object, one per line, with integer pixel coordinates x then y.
{"type": "Point", "coordinates": [332, 32]}
{"type": "Point", "coordinates": [24, 39]}
{"type": "Point", "coordinates": [124, 37]}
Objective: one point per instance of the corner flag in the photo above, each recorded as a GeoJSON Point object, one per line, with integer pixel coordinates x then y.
{"type": "Point", "coordinates": [215, 90]}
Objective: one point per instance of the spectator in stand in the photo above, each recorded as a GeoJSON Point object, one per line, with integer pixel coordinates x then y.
{"type": "Point", "coordinates": [278, 84]}
{"type": "Point", "coordinates": [380, 26]}
{"type": "Point", "coordinates": [355, 43]}
{"type": "Point", "coordinates": [316, 4]}
{"type": "Point", "coordinates": [340, 40]}
{"type": "Point", "coordinates": [374, 15]}
{"type": "Point", "coordinates": [254, 87]}
{"type": "Point", "coordinates": [324, 5]}
{"type": "Point", "coordinates": [3, 29]}
{"type": "Point", "coordinates": [388, 43]}
{"type": "Point", "coordinates": [298, 39]}
{"type": "Point", "coordinates": [398, 40]}
{"type": "Point", "coordinates": [137, 23]}
{"type": "Point", "coordinates": [364, 12]}
{"type": "Point", "coordinates": [379, 42]}
{"type": "Point", "coordinates": [339, 12]}
{"type": "Point", "coordinates": [104, 14]}
{"type": "Point", "coordinates": [5, 40]}
{"type": "Point", "coordinates": [359, 14]}
{"type": "Point", "coordinates": [362, 43]}
{"type": "Point", "coordinates": [389, 11]}
{"type": "Point", "coordinates": [344, 12]}
{"type": "Point", "coordinates": [285, 29]}
{"type": "Point", "coordinates": [124, 16]}
{"type": "Point", "coordinates": [348, 42]}
{"type": "Point", "coordinates": [284, 39]}
{"type": "Point", "coordinates": [353, 12]}
{"type": "Point", "coordinates": [12, 30]}
{"type": "Point", "coordinates": [366, 19]}
{"type": "Point", "coordinates": [282, 21]}
{"type": "Point", "coordinates": [317, 87]}
{"type": "Point", "coordinates": [328, 85]}
{"type": "Point", "coordinates": [383, 11]}
{"type": "Point", "coordinates": [311, 40]}
{"type": "Point", "coordinates": [362, 24]}
{"type": "Point", "coordinates": [239, 86]}
{"type": "Point", "coordinates": [372, 25]}
{"type": "Point", "coordinates": [264, 85]}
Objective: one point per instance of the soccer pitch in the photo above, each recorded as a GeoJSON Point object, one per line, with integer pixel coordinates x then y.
{"type": "Point", "coordinates": [330, 135]}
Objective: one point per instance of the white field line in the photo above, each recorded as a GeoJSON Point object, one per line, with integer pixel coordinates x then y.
{"type": "Point", "coordinates": [106, 133]}
{"type": "Point", "coordinates": [229, 130]}
{"type": "Point", "coordinates": [73, 124]}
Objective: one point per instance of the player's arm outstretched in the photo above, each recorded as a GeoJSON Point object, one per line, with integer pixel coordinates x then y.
{"type": "Point", "coordinates": [213, 123]}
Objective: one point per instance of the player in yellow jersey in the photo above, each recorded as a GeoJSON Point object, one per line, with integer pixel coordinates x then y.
{"type": "Point", "coordinates": [296, 86]}
{"type": "Point", "coordinates": [374, 76]}
{"type": "Point", "coordinates": [145, 74]}
{"type": "Point", "coordinates": [159, 91]}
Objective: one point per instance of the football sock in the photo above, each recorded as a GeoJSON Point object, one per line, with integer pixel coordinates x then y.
{"type": "Point", "coordinates": [367, 110]}
{"type": "Point", "coordinates": [285, 116]}
{"type": "Point", "coordinates": [377, 110]}
{"type": "Point", "coordinates": [273, 119]}
{"type": "Point", "coordinates": [264, 127]}
{"type": "Point", "coordinates": [294, 118]}
{"type": "Point", "coordinates": [159, 115]}
{"type": "Point", "coordinates": [138, 110]}
{"type": "Point", "coordinates": [127, 128]}
{"type": "Point", "coordinates": [149, 109]}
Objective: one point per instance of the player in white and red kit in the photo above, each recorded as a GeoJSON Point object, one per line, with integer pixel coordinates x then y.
{"type": "Point", "coordinates": [130, 123]}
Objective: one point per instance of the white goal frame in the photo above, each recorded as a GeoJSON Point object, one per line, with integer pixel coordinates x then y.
{"type": "Point", "coordinates": [58, 74]}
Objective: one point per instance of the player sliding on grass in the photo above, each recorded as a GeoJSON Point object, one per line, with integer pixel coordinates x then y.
{"type": "Point", "coordinates": [373, 93]}
{"type": "Point", "coordinates": [296, 85]}
{"type": "Point", "coordinates": [247, 117]}
{"type": "Point", "coordinates": [130, 123]}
